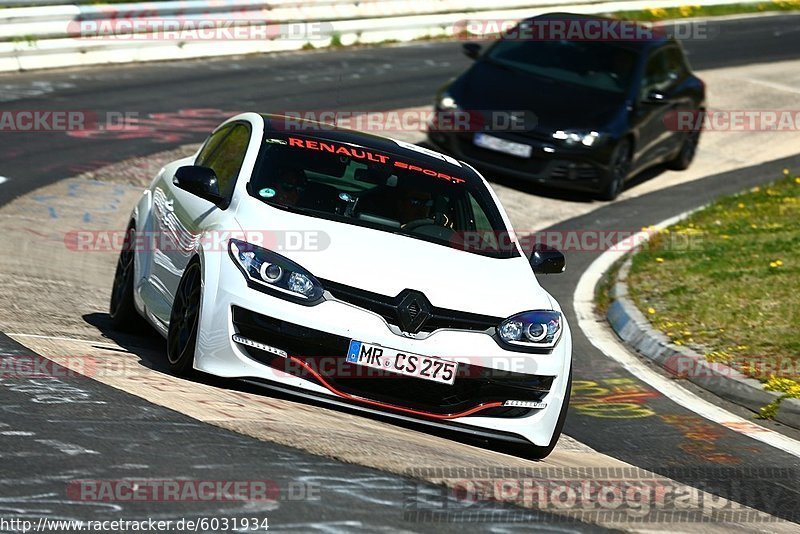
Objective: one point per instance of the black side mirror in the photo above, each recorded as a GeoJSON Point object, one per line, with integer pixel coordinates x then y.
{"type": "Point", "coordinates": [200, 181]}
{"type": "Point", "coordinates": [471, 50]}
{"type": "Point", "coordinates": [547, 260]}
{"type": "Point", "coordinates": [655, 97]}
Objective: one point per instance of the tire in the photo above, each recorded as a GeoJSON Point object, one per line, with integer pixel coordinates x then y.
{"type": "Point", "coordinates": [121, 308]}
{"type": "Point", "coordinates": [686, 153]}
{"type": "Point", "coordinates": [535, 452]}
{"type": "Point", "coordinates": [184, 321]}
{"type": "Point", "coordinates": [618, 170]}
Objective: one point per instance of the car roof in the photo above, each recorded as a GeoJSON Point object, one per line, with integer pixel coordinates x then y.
{"type": "Point", "coordinates": [640, 46]}
{"type": "Point", "coordinates": [419, 155]}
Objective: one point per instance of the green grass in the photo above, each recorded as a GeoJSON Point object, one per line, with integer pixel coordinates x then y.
{"type": "Point", "coordinates": [726, 282]}
{"type": "Point", "coordinates": [670, 13]}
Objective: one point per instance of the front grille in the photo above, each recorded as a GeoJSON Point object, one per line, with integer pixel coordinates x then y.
{"type": "Point", "coordinates": [575, 171]}
{"type": "Point", "coordinates": [326, 353]}
{"type": "Point", "coordinates": [386, 307]}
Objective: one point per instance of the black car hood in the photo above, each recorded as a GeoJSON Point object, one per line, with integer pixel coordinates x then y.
{"type": "Point", "coordinates": [556, 105]}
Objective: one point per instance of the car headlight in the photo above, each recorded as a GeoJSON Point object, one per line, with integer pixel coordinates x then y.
{"type": "Point", "coordinates": [446, 102]}
{"type": "Point", "coordinates": [534, 329]}
{"type": "Point", "coordinates": [572, 138]}
{"type": "Point", "coordinates": [271, 271]}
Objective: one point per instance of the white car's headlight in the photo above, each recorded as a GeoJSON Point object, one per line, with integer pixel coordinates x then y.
{"type": "Point", "coordinates": [572, 138]}
{"type": "Point", "coordinates": [272, 272]}
{"type": "Point", "coordinates": [533, 329]}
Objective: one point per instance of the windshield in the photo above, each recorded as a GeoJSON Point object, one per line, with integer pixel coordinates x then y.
{"type": "Point", "coordinates": [364, 187]}
{"type": "Point", "coordinates": [596, 64]}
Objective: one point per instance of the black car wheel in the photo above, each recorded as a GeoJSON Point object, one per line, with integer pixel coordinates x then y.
{"type": "Point", "coordinates": [618, 170]}
{"type": "Point", "coordinates": [184, 320]}
{"type": "Point", "coordinates": [121, 309]}
{"type": "Point", "coordinates": [686, 153]}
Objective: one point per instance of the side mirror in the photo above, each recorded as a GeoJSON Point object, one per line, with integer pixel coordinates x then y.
{"type": "Point", "coordinates": [200, 181]}
{"type": "Point", "coordinates": [547, 260]}
{"type": "Point", "coordinates": [655, 97]}
{"type": "Point", "coordinates": [471, 50]}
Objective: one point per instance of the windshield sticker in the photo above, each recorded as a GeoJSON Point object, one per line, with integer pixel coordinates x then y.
{"type": "Point", "coordinates": [427, 152]}
{"type": "Point", "coordinates": [267, 192]}
{"type": "Point", "coordinates": [360, 153]}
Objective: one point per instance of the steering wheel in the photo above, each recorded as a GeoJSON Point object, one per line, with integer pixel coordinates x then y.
{"type": "Point", "coordinates": [416, 223]}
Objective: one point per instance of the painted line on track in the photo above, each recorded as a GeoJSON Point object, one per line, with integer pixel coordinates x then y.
{"type": "Point", "coordinates": [601, 336]}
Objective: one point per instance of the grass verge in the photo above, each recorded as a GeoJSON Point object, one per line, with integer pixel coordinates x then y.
{"type": "Point", "coordinates": [726, 282]}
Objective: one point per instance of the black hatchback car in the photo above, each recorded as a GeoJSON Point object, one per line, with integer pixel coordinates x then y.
{"type": "Point", "coordinates": [604, 109]}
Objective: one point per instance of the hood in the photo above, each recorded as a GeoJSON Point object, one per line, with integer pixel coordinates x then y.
{"type": "Point", "coordinates": [387, 263]}
{"type": "Point", "coordinates": [556, 105]}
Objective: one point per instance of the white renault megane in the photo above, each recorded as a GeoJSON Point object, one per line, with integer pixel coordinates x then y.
{"type": "Point", "coordinates": [354, 269]}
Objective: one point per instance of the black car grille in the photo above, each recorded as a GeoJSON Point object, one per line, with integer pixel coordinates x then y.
{"type": "Point", "coordinates": [572, 171]}
{"type": "Point", "coordinates": [387, 307]}
{"type": "Point", "coordinates": [326, 353]}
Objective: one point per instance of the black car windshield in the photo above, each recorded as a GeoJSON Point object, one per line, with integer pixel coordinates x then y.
{"type": "Point", "coordinates": [595, 64]}
{"type": "Point", "coordinates": [388, 192]}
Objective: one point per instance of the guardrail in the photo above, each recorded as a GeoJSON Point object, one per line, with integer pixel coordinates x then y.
{"type": "Point", "coordinates": [85, 34]}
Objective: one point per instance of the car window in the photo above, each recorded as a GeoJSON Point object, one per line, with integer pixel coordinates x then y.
{"type": "Point", "coordinates": [595, 64]}
{"type": "Point", "coordinates": [226, 157]}
{"type": "Point", "coordinates": [676, 63]}
{"type": "Point", "coordinates": [210, 145]}
{"type": "Point", "coordinates": [384, 191]}
{"type": "Point", "coordinates": [656, 76]}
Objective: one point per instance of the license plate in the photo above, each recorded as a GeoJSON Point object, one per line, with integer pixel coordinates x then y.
{"type": "Point", "coordinates": [519, 150]}
{"type": "Point", "coordinates": [403, 363]}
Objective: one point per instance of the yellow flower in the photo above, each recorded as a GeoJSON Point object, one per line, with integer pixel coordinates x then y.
{"type": "Point", "coordinates": [659, 260]}
{"type": "Point", "coordinates": [797, 180]}
{"type": "Point", "coordinates": [775, 264]}
{"type": "Point", "coordinates": [741, 205]}
{"type": "Point", "coordinates": [786, 171]}
{"type": "Point", "coordinates": [651, 311]}
{"type": "Point", "coordinates": [686, 11]}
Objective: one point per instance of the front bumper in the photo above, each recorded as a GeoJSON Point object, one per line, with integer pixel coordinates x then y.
{"type": "Point", "coordinates": [315, 340]}
{"type": "Point", "coordinates": [578, 169]}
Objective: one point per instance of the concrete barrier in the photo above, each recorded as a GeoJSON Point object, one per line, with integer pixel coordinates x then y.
{"type": "Point", "coordinates": [52, 36]}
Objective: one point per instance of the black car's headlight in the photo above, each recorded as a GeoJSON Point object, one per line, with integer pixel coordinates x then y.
{"type": "Point", "coordinates": [272, 272]}
{"type": "Point", "coordinates": [575, 138]}
{"type": "Point", "coordinates": [532, 329]}
{"type": "Point", "coordinates": [446, 102]}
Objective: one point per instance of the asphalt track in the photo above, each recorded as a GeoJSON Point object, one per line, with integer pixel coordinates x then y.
{"type": "Point", "coordinates": [128, 432]}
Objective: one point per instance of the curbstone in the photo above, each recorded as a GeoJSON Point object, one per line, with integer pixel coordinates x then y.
{"type": "Point", "coordinates": [633, 328]}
